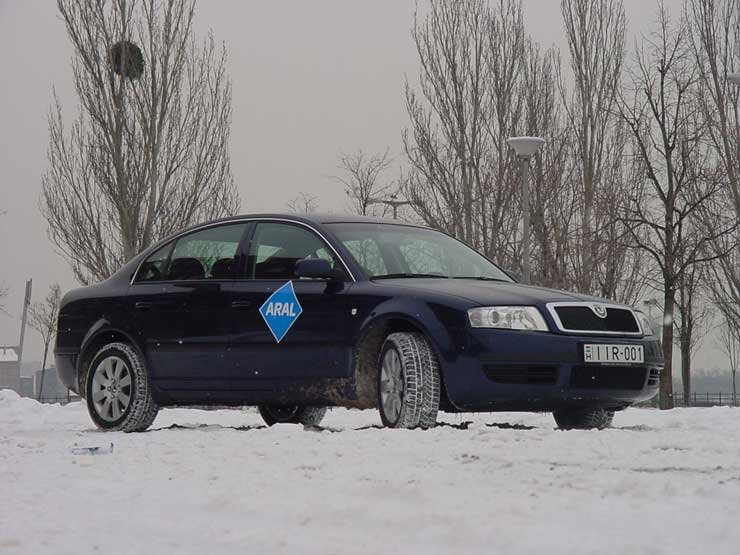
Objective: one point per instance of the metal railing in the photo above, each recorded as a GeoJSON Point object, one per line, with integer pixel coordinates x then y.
{"type": "Point", "coordinates": [706, 399]}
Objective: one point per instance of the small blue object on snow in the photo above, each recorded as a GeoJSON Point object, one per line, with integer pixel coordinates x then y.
{"type": "Point", "coordinates": [281, 310]}
{"type": "Point", "coordinates": [92, 450]}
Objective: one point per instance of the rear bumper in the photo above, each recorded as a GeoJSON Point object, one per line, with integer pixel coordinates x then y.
{"type": "Point", "coordinates": [66, 362]}
{"type": "Point", "coordinates": [505, 370]}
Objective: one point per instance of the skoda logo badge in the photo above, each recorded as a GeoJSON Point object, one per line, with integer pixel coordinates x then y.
{"type": "Point", "coordinates": [599, 310]}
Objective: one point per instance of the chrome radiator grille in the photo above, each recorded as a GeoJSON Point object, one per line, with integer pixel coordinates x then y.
{"type": "Point", "coordinates": [594, 318]}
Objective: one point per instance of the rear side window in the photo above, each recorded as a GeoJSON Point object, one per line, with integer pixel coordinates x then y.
{"type": "Point", "coordinates": [207, 254]}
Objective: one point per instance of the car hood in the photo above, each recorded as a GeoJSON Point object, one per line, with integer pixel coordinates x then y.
{"type": "Point", "coordinates": [483, 293]}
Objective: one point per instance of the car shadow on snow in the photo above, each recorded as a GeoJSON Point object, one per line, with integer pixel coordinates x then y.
{"type": "Point", "coordinates": [206, 427]}
{"type": "Point", "coordinates": [464, 425]}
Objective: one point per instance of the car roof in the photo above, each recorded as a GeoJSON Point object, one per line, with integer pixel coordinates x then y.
{"type": "Point", "coordinates": [325, 218]}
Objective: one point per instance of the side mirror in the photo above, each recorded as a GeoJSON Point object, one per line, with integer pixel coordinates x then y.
{"type": "Point", "coordinates": [314, 268]}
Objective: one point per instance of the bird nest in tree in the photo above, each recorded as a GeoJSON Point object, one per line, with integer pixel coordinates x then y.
{"type": "Point", "coordinates": [126, 59]}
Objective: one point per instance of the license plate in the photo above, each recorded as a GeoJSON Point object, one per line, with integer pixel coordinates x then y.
{"type": "Point", "coordinates": [613, 353]}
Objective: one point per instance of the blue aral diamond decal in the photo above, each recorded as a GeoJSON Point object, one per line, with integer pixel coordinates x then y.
{"type": "Point", "coordinates": [281, 310]}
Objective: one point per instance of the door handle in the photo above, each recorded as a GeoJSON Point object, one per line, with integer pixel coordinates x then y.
{"type": "Point", "coordinates": [241, 304]}
{"type": "Point", "coordinates": [142, 305]}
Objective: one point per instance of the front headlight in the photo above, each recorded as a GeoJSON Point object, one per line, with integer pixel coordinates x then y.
{"type": "Point", "coordinates": [507, 317]}
{"type": "Point", "coordinates": [645, 324]}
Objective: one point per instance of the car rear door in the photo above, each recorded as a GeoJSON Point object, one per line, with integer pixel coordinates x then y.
{"type": "Point", "coordinates": [288, 331]}
{"type": "Point", "coordinates": [181, 305]}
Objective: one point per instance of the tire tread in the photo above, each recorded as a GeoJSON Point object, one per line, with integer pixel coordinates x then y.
{"type": "Point", "coordinates": [143, 409]}
{"type": "Point", "coordinates": [421, 380]}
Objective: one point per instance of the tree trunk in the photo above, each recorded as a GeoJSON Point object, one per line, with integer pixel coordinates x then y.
{"type": "Point", "coordinates": [587, 269]}
{"type": "Point", "coordinates": [43, 373]}
{"type": "Point", "coordinates": [734, 389]}
{"type": "Point", "coordinates": [686, 370]}
{"type": "Point", "coordinates": [666, 378]}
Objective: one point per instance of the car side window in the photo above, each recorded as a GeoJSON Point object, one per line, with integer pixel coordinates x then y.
{"type": "Point", "coordinates": [276, 247]}
{"type": "Point", "coordinates": [207, 254]}
{"type": "Point", "coordinates": [154, 268]}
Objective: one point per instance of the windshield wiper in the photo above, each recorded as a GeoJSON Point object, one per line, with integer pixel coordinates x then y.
{"type": "Point", "coordinates": [395, 276]}
{"type": "Point", "coordinates": [481, 278]}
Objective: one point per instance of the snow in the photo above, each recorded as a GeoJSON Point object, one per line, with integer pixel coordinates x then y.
{"type": "Point", "coordinates": [211, 482]}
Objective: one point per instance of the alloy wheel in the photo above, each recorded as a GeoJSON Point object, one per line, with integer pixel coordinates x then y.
{"type": "Point", "coordinates": [111, 388]}
{"type": "Point", "coordinates": [391, 385]}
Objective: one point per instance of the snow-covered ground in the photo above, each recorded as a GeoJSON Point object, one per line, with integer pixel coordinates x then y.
{"type": "Point", "coordinates": [208, 482]}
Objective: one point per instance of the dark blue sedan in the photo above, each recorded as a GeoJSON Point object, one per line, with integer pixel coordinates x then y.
{"type": "Point", "coordinates": [295, 314]}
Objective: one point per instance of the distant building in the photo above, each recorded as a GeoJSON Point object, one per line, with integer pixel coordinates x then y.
{"type": "Point", "coordinates": [10, 371]}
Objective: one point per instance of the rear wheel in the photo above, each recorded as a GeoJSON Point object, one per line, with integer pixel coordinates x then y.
{"type": "Point", "coordinates": [408, 382]}
{"type": "Point", "coordinates": [292, 414]}
{"type": "Point", "coordinates": [117, 391]}
{"type": "Point", "coordinates": [583, 419]}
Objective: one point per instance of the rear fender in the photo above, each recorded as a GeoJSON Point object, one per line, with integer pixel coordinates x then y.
{"type": "Point", "coordinates": [100, 334]}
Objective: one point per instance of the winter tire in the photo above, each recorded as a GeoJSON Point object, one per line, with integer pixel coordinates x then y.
{"type": "Point", "coordinates": [292, 414]}
{"type": "Point", "coordinates": [583, 419]}
{"type": "Point", "coordinates": [408, 382]}
{"type": "Point", "coordinates": [118, 393]}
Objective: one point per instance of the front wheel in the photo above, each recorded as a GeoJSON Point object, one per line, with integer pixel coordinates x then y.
{"type": "Point", "coordinates": [408, 382]}
{"type": "Point", "coordinates": [292, 414]}
{"type": "Point", "coordinates": [583, 419]}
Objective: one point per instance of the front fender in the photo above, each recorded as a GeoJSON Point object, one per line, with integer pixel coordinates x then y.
{"type": "Point", "coordinates": [444, 326]}
{"type": "Point", "coordinates": [417, 314]}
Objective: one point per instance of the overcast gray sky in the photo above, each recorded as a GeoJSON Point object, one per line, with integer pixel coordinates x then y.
{"type": "Point", "coordinates": [310, 79]}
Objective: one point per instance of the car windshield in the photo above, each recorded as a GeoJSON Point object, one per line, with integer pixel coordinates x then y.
{"type": "Point", "coordinates": [390, 251]}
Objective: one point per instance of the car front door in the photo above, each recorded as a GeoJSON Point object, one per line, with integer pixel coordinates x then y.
{"type": "Point", "coordinates": [181, 305]}
{"type": "Point", "coordinates": [287, 330]}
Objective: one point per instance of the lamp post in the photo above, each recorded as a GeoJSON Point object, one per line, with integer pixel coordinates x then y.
{"type": "Point", "coordinates": [393, 203]}
{"type": "Point", "coordinates": [650, 303]}
{"type": "Point", "coordinates": [525, 147]}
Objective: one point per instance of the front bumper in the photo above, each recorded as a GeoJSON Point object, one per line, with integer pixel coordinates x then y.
{"type": "Point", "coordinates": [531, 371]}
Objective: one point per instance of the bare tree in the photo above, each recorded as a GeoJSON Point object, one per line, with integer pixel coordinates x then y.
{"type": "Point", "coordinates": [692, 321]}
{"type": "Point", "coordinates": [42, 317]}
{"type": "Point", "coordinates": [462, 175]}
{"type": "Point", "coordinates": [553, 194]}
{"type": "Point", "coordinates": [664, 118]}
{"type": "Point", "coordinates": [361, 177]}
{"type": "Point", "coordinates": [3, 293]}
{"type": "Point", "coordinates": [303, 203]}
{"type": "Point", "coordinates": [714, 27]}
{"type": "Point", "coordinates": [729, 342]}
{"type": "Point", "coordinates": [148, 152]}
{"type": "Point", "coordinates": [595, 30]}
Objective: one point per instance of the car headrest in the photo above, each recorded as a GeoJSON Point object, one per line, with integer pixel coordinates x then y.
{"type": "Point", "coordinates": [223, 268]}
{"type": "Point", "coordinates": [186, 268]}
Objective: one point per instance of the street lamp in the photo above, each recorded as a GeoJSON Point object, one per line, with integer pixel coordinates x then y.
{"type": "Point", "coordinates": [525, 147]}
{"type": "Point", "coordinates": [393, 203]}
{"type": "Point", "coordinates": [734, 78]}
{"type": "Point", "coordinates": [650, 303]}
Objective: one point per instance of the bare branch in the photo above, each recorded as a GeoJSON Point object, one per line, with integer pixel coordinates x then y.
{"type": "Point", "coordinates": [148, 154]}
